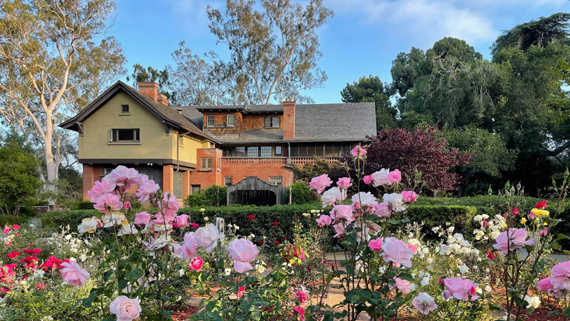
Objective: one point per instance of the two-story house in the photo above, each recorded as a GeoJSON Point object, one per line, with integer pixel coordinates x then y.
{"type": "Point", "coordinates": [187, 148]}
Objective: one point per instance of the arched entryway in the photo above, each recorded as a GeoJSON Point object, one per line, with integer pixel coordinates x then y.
{"type": "Point", "coordinates": [254, 191]}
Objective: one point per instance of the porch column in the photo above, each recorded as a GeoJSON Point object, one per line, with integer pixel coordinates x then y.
{"type": "Point", "coordinates": [88, 180]}
{"type": "Point", "coordinates": [168, 178]}
{"type": "Point", "coordinates": [185, 184]}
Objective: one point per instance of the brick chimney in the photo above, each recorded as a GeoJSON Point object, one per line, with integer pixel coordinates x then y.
{"type": "Point", "coordinates": [149, 88]}
{"type": "Point", "coordinates": [289, 118]}
{"type": "Point", "coordinates": [162, 99]}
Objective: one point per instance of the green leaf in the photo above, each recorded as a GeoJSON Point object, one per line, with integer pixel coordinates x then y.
{"type": "Point", "coordinates": [134, 275]}
{"type": "Point", "coordinates": [406, 276]}
{"type": "Point", "coordinates": [393, 221]}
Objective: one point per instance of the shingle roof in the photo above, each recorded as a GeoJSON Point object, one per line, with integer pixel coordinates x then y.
{"type": "Point", "coordinates": [192, 113]}
{"type": "Point", "coordinates": [253, 136]}
{"type": "Point", "coordinates": [350, 121]}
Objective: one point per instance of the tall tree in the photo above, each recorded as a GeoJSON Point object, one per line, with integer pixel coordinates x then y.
{"type": "Point", "coordinates": [371, 89]}
{"type": "Point", "coordinates": [274, 52]}
{"type": "Point", "coordinates": [150, 74]}
{"type": "Point", "coordinates": [195, 80]}
{"type": "Point", "coordinates": [49, 63]}
{"type": "Point", "coordinates": [538, 33]}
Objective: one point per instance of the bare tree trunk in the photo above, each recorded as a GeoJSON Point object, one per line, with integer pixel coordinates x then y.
{"type": "Point", "coordinates": [51, 164]}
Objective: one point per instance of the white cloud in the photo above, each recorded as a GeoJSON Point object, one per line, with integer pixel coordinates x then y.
{"type": "Point", "coordinates": [422, 21]}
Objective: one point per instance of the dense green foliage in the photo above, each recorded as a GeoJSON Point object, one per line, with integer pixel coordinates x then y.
{"type": "Point", "coordinates": [299, 193]}
{"type": "Point", "coordinates": [511, 113]}
{"type": "Point", "coordinates": [371, 89]}
{"type": "Point", "coordinates": [19, 176]}
{"type": "Point", "coordinates": [214, 195]}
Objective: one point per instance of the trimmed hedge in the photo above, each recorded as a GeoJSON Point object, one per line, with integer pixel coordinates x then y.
{"type": "Point", "coordinates": [73, 218]}
{"type": "Point", "coordinates": [11, 220]}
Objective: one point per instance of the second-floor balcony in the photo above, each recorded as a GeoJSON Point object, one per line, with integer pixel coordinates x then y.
{"type": "Point", "coordinates": [300, 161]}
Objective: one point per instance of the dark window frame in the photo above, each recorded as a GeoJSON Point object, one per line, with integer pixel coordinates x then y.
{"type": "Point", "coordinates": [213, 117]}
{"type": "Point", "coordinates": [280, 148]}
{"type": "Point", "coordinates": [125, 109]}
{"type": "Point", "coordinates": [231, 180]}
{"type": "Point", "coordinates": [228, 120]}
{"type": "Point", "coordinates": [114, 135]}
{"type": "Point", "coordinates": [205, 161]}
{"type": "Point", "coordinates": [272, 122]}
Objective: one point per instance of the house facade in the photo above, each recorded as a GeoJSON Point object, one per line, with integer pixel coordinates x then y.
{"type": "Point", "coordinates": [188, 148]}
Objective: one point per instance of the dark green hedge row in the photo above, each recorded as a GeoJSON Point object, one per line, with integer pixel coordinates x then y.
{"type": "Point", "coordinates": [11, 220]}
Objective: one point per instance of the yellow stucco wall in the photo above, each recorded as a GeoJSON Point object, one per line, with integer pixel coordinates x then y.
{"type": "Point", "coordinates": [154, 143]}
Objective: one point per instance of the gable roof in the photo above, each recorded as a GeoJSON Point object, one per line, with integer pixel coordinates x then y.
{"type": "Point", "coordinates": [167, 114]}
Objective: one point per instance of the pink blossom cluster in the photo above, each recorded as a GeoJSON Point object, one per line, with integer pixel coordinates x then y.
{"type": "Point", "coordinates": [461, 289]}
{"type": "Point", "coordinates": [512, 239]}
{"type": "Point", "coordinates": [558, 284]}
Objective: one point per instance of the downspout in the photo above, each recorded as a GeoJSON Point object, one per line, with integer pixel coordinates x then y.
{"type": "Point", "coordinates": [178, 152]}
{"type": "Point", "coordinates": [288, 153]}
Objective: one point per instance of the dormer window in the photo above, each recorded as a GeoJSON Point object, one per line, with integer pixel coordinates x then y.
{"type": "Point", "coordinates": [272, 122]}
{"type": "Point", "coordinates": [210, 122]}
{"type": "Point", "coordinates": [124, 109]}
{"type": "Point", "coordinates": [231, 120]}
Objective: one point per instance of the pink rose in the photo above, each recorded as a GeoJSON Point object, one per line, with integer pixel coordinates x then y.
{"type": "Point", "coordinates": [381, 177]}
{"type": "Point", "coordinates": [123, 176]}
{"type": "Point", "coordinates": [358, 151]}
{"type": "Point", "coordinates": [332, 196]}
{"type": "Point", "coordinates": [485, 224]}
{"type": "Point", "coordinates": [16, 227]}
{"type": "Point", "coordinates": [6, 230]}
{"type": "Point", "coordinates": [424, 303]}
{"type": "Point", "coordinates": [402, 285]}
{"type": "Point", "coordinates": [196, 264]}
{"type": "Point", "coordinates": [99, 189]}
{"type": "Point", "coordinates": [517, 240]}
{"type": "Point", "coordinates": [169, 204]}
{"type": "Point", "coordinates": [561, 269]}
{"type": "Point", "coordinates": [142, 218]}
{"type": "Point", "coordinates": [344, 182]}
{"type": "Point", "coordinates": [207, 237]}
{"type": "Point", "coordinates": [543, 232]}
{"type": "Point", "coordinates": [395, 176]}
{"type": "Point", "coordinates": [127, 205]}
{"type": "Point", "coordinates": [460, 289]}
{"type": "Point", "coordinates": [368, 179]}
{"type": "Point", "coordinates": [544, 284]}
{"type": "Point", "coordinates": [560, 283]}
{"type": "Point", "coordinates": [125, 309]}
{"type": "Point", "coordinates": [339, 229]}
{"type": "Point", "coordinates": [375, 244]}
{"type": "Point", "coordinates": [397, 252]}
{"type": "Point", "coordinates": [409, 196]}
{"type": "Point", "coordinates": [108, 202]}
{"type": "Point", "coordinates": [146, 189]}
{"type": "Point", "coordinates": [243, 251]}
{"type": "Point", "coordinates": [74, 274]}
{"type": "Point", "coordinates": [345, 212]}
{"type": "Point", "coordinates": [301, 296]}
{"type": "Point", "coordinates": [319, 183]}
{"type": "Point", "coordinates": [182, 220]}
{"type": "Point", "coordinates": [324, 220]}
{"type": "Point", "coordinates": [382, 210]}
{"type": "Point", "coordinates": [414, 248]}
{"type": "Point", "coordinates": [189, 247]}
{"type": "Point", "coordinates": [300, 312]}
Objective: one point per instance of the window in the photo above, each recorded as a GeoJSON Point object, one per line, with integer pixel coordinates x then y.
{"type": "Point", "coordinates": [124, 135]}
{"type": "Point", "coordinates": [272, 122]}
{"type": "Point", "coordinates": [219, 164]}
{"type": "Point", "coordinates": [252, 151]}
{"type": "Point", "coordinates": [231, 120]}
{"type": "Point", "coordinates": [195, 189]}
{"type": "Point", "coordinates": [207, 163]}
{"type": "Point", "coordinates": [266, 151]}
{"type": "Point", "coordinates": [278, 151]}
{"type": "Point", "coordinates": [106, 171]}
{"type": "Point", "coordinates": [125, 109]}
{"type": "Point", "coordinates": [228, 181]}
{"type": "Point", "coordinates": [210, 120]}
{"type": "Point", "coordinates": [276, 180]}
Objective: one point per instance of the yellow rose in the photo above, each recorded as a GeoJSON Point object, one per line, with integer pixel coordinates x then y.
{"type": "Point", "coordinates": [523, 221]}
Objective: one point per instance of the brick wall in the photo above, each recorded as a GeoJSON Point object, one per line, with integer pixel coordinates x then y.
{"type": "Point", "coordinates": [168, 178]}
{"type": "Point", "coordinates": [289, 119]}
{"type": "Point", "coordinates": [263, 171]}
{"type": "Point", "coordinates": [205, 178]}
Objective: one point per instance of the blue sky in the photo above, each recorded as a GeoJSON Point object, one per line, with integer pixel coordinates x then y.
{"type": "Point", "coordinates": [362, 39]}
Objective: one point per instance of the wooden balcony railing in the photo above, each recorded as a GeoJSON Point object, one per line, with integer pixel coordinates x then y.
{"type": "Point", "coordinates": [300, 161]}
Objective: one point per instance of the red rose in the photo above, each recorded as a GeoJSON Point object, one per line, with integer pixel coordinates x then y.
{"type": "Point", "coordinates": [490, 255]}
{"type": "Point", "coordinates": [277, 242]}
{"type": "Point", "coordinates": [251, 217]}
{"type": "Point", "coordinates": [13, 254]}
{"type": "Point", "coordinates": [260, 242]}
{"type": "Point", "coordinates": [541, 204]}
{"type": "Point", "coordinates": [275, 223]}
{"type": "Point", "coordinates": [515, 211]}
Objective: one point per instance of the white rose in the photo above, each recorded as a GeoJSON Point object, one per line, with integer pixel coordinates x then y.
{"type": "Point", "coordinates": [463, 269]}
{"type": "Point", "coordinates": [88, 225]}
{"type": "Point", "coordinates": [533, 301]}
{"type": "Point", "coordinates": [396, 202]}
